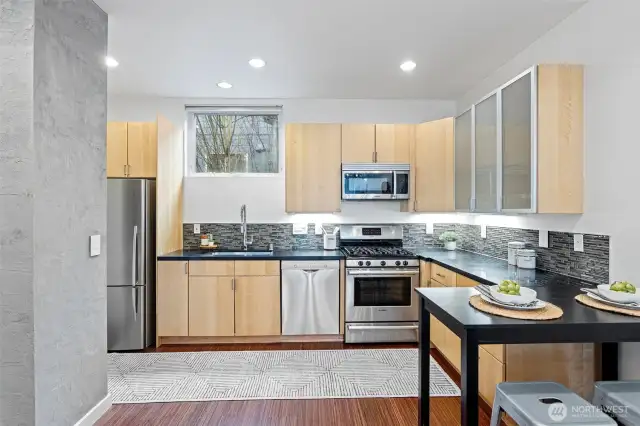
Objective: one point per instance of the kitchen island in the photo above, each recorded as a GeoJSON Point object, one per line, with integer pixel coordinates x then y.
{"type": "Point", "coordinates": [579, 324]}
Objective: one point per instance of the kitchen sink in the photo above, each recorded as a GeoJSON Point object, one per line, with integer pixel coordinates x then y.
{"type": "Point", "coordinates": [238, 253]}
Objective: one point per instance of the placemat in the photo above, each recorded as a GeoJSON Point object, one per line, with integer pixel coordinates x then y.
{"type": "Point", "coordinates": [549, 312]}
{"type": "Point", "coordinates": [593, 303]}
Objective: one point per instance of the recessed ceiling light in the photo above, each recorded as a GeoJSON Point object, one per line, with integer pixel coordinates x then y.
{"type": "Point", "coordinates": [257, 63]}
{"type": "Point", "coordinates": [111, 62]}
{"type": "Point", "coordinates": [225, 85]}
{"type": "Point", "coordinates": [407, 66]}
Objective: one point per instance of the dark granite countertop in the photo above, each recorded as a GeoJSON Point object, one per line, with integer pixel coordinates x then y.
{"type": "Point", "coordinates": [489, 270]}
{"type": "Point", "coordinates": [275, 255]}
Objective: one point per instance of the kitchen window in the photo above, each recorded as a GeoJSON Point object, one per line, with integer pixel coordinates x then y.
{"type": "Point", "coordinates": [233, 140]}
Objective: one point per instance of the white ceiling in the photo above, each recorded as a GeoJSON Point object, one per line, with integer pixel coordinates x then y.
{"type": "Point", "coordinates": [318, 48]}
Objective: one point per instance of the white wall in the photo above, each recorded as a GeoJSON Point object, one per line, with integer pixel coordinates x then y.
{"type": "Point", "coordinates": [218, 199]}
{"type": "Point", "coordinates": [603, 36]}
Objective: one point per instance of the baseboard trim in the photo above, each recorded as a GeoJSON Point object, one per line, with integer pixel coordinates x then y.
{"type": "Point", "coordinates": [192, 340]}
{"type": "Point", "coordinates": [96, 412]}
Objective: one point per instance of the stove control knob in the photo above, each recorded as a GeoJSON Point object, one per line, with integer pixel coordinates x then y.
{"type": "Point", "coordinates": [360, 263]}
{"type": "Point", "coordinates": [382, 263]}
{"type": "Point", "coordinates": [368, 263]}
{"type": "Point", "coordinates": [397, 263]}
{"type": "Point", "coordinates": [405, 263]}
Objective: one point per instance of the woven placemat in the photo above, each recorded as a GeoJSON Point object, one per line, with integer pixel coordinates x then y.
{"type": "Point", "coordinates": [593, 303]}
{"type": "Point", "coordinates": [549, 312]}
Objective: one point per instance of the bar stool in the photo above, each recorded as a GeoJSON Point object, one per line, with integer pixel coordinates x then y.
{"type": "Point", "coordinates": [545, 403]}
{"type": "Point", "coordinates": [620, 400]}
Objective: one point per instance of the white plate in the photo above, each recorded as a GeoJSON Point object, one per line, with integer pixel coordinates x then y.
{"type": "Point", "coordinates": [541, 304]}
{"type": "Point", "coordinates": [611, 303]}
{"type": "Point", "coordinates": [527, 295]}
{"type": "Point", "coordinates": [618, 296]}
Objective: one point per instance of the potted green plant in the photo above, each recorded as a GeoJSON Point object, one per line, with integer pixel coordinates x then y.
{"type": "Point", "coordinates": [449, 239]}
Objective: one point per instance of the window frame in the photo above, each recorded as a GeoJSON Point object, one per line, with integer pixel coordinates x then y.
{"type": "Point", "coordinates": [190, 137]}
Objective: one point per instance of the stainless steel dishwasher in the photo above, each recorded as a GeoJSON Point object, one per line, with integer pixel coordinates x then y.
{"type": "Point", "coordinates": [310, 297]}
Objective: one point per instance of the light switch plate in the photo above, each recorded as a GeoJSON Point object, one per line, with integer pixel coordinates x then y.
{"type": "Point", "coordinates": [300, 229]}
{"type": "Point", "coordinates": [578, 242]}
{"type": "Point", "coordinates": [429, 228]}
{"type": "Point", "coordinates": [483, 231]}
{"type": "Point", "coordinates": [94, 245]}
{"type": "Point", "coordinates": [543, 238]}
{"type": "Point", "coordinates": [196, 228]}
{"type": "Point", "coordinates": [318, 229]}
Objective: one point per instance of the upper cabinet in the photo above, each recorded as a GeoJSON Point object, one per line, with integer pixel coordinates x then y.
{"type": "Point", "coordinates": [433, 166]}
{"type": "Point", "coordinates": [463, 156]}
{"type": "Point", "coordinates": [524, 143]}
{"type": "Point", "coordinates": [132, 150]}
{"type": "Point", "coordinates": [358, 143]}
{"type": "Point", "coordinates": [377, 143]}
{"type": "Point", "coordinates": [312, 164]}
{"type": "Point", "coordinates": [486, 158]}
{"type": "Point", "coordinates": [393, 142]}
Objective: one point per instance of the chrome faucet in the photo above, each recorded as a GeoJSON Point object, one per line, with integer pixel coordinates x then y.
{"type": "Point", "coordinates": [243, 218]}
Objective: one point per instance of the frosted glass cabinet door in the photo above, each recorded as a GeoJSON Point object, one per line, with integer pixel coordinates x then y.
{"type": "Point", "coordinates": [463, 162]}
{"type": "Point", "coordinates": [516, 145]}
{"type": "Point", "coordinates": [486, 149]}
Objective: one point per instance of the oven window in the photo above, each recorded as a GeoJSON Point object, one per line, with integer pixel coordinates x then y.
{"type": "Point", "coordinates": [388, 291]}
{"type": "Point", "coordinates": [368, 183]}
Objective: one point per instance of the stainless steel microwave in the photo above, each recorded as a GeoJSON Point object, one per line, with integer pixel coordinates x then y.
{"type": "Point", "coordinates": [375, 181]}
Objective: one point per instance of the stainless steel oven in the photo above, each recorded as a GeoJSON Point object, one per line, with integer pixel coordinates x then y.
{"type": "Point", "coordinates": [381, 304]}
{"type": "Point", "coordinates": [363, 181]}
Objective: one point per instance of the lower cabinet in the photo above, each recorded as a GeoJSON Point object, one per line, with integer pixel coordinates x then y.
{"type": "Point", "coordinates": [257, 306]}
{"type": "Point", "coordinates": [172, 303]}
{"type": "Point", "coordinates": [211, 301]}
{"type": "Point", "coordinates": [491, 372]}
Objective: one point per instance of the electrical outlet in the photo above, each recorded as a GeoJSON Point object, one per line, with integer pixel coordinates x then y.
{"type": "Point", "coordinates": [543, 238]}
{"type": "Point", "coordinates": [578, 242]}
{"type": "Point", "coordinates": [318, 229]}
{"type": "Point", "coordinates": [483, 231]}
{"type": "Point", "coordinates": [300, 229]}
{"type": "Point", "coordinates": [196, 228]}
{"type": "Point", "coordinates": [429, 228]}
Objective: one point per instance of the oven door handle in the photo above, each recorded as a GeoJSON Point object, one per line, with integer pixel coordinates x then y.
{"type": "Point", "coordinates": [382, 327]}
{"type": "Point", "coordinates": [406, 272]}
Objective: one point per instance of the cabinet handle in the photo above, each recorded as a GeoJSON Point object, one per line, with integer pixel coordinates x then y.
{"type": "Point", "coordinates": [186, 268]}
{"type": "Point", "coordinates": [233, 284]}
{"type": "Point", "coordinates": [376, 156]}
{"type": "Point", "coordinates": [125, 170]}
{"type": "Point", "coordinates": [373, 157]}
{"type": "Point", "coordinates": [440, 275]}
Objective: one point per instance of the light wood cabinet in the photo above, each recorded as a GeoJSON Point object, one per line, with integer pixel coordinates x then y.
{"type": "Point", "coordinates": [393, 142]}
{"type": "Point", "coordinates": [212, 268]}
{"type": "Point", "coordinates": [358, 143]}
{"type": "Point", "coordinates": [172, 301]}
{"type": "Point", "coordinates": [142, 141]}
{"type": "Point", "coordinates": [433, 166]}
{"type": "Point", "coordinates": [117, 149]}
{"type": "Point", "coordinates": [425, 273]}
{"type": "Point", "coordinates": [312, 168]}
{"type": "Point", "coordinates": [257, 267]}
{"type": "Point", "coordinates": [491, 372]}
{"type": "Point", "coordinates": [443, 275]}
{"type": "Point", "coordinates": [257, 306]}
{"type": "Point", "coordinates": [132, 150]}
{"type": "Point", "coordinates": [211, 306]}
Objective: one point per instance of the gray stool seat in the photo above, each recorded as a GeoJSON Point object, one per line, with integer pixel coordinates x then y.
{"type": "Point", "coordinates": [620, 400]}
{"type": "Point", "coordinates": [545, 403]}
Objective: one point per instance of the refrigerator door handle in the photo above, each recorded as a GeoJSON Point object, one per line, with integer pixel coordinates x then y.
{"type": "Point", "coordinates": [134, 299]}
{"type": "Point", "coordinates": [134, 258]}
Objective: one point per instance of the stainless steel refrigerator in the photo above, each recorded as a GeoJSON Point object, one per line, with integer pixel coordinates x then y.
{"type": "Point", "coordinates": [131, 264]}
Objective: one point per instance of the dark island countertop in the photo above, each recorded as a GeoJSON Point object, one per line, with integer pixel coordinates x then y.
{"type": "Point", "coordinates": [274, 255]}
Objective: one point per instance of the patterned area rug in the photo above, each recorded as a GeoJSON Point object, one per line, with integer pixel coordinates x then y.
{"type": "Point", "coordinates": [210, 376]}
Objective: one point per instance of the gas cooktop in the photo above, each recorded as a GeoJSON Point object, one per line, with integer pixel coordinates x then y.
{"type": "Point", "coordinates": [377, 251]}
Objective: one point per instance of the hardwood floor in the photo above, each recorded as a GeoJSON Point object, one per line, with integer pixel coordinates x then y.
{"type": "Point", "coordinates": [321, 412]}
